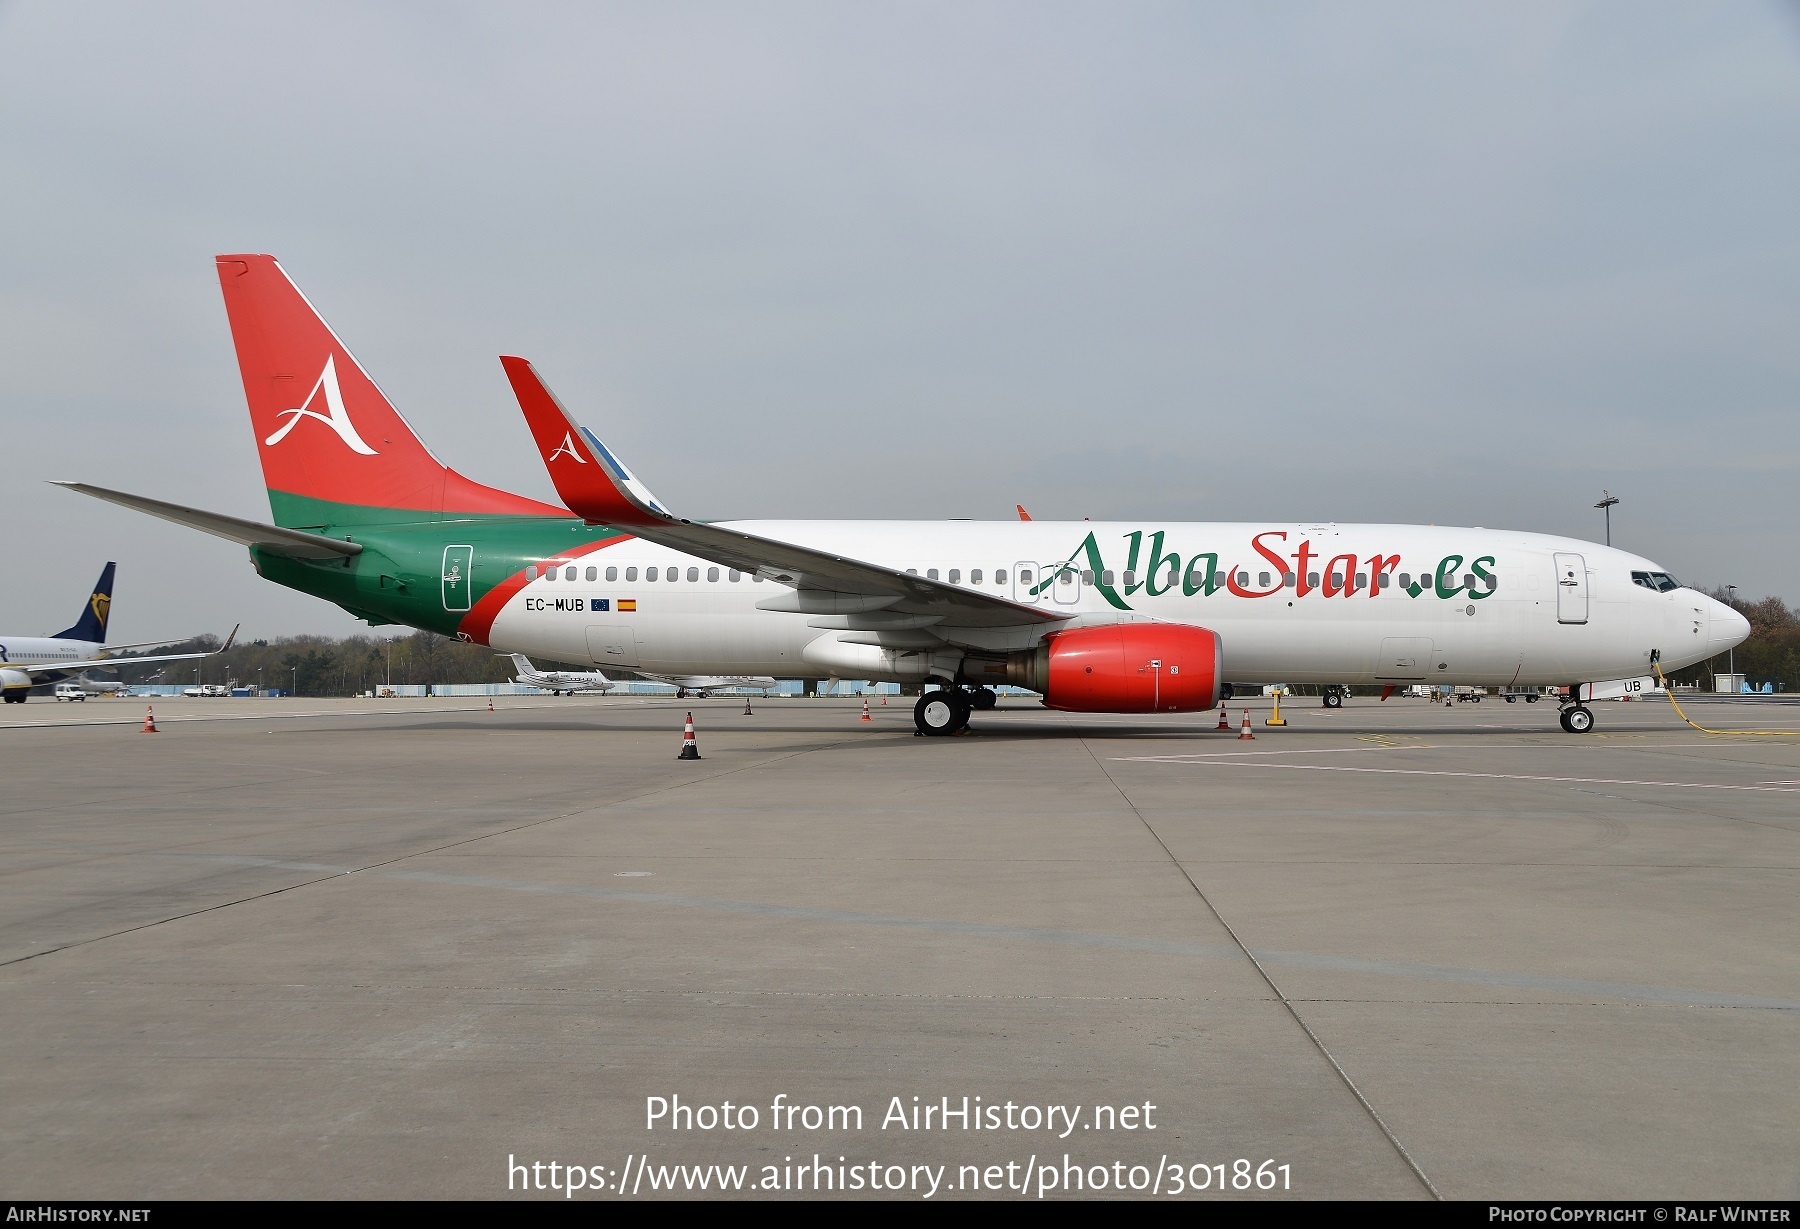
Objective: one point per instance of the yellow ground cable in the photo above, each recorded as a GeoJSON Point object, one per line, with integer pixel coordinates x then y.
{"type": "Point", "coordinates": [1667, 687]}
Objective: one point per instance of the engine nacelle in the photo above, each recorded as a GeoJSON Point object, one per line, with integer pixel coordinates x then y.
{"type": "Point", "coordinates": [14, 679]}
{"type": "Point", "coordinates": [1124, 668]}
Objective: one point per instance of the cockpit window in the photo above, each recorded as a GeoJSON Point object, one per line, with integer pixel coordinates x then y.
{"type": "Point", "coordinates": [1662, 582]}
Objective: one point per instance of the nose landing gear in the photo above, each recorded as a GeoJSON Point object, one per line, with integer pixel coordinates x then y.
{"type": "Point", "coordinates": [1577, 718]}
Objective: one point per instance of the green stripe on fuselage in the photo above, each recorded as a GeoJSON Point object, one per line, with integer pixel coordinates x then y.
{"type": "Point", "coordinates": [399, 576]}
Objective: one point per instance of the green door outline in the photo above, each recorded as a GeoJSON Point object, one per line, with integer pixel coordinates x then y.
{"type": "Point", "coordinates": [459, 565]}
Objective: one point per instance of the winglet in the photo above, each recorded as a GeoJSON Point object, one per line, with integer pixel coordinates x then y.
{"type": "Point", "coordinates": [229, 640]}
{"type": "Point", "coordinates": [1023, 515]}
{"type": "Point", "coordinates": [593, 482]}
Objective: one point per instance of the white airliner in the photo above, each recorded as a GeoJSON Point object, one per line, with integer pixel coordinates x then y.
{"type": "Point", "coordinates": [1123, 617]}
{"type": "Point", "coordinates": [34, 661]}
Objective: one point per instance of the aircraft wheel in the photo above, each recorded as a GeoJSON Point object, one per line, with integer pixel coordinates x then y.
{"type": "Point", "coordinates": [1578, 719]}
{"type": "Point", "coordinates": [1509, 699]}
{"type": "Point", "coordinates": [1334, 699]}
{"type": "Point", "coordinates": [984, 698]}
{"type": "Point", "coordinates": [941, 712]}
{"type": "Point", "coordinates": [704, 695]}
{"type": "Point", "coordinates": [1531, 699]}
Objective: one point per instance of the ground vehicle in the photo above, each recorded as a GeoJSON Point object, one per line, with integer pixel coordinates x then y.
{"type": "Point", "coordinates": [69, 691]}
{"type": "Point", "coordinates": [208, 691]}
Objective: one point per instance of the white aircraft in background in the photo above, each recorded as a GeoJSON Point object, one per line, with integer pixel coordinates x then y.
{"type": "Point", "coordinates": [568, 682]}
{"type": "Point", "coordinates": [1145, 616]}
{"type": "Point", "coordinates": [559, 682]}
{"type": "Point", "coordinates": [33, 661]}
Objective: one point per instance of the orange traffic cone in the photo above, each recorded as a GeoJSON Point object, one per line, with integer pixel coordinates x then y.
{"type": "Point", "coordinates": [150, 721]}
{"type": "Point", "coordinates": [490, 704]}
{"type": "Point", "coordinates": [1244, 735]}
{"type": "Point", "coordinates": [1224, 721]}
{"type": "Point", "coordinates": [884, 699]}
{"type": "Point", "coordinates": [690, 750]}
{"type": "Point", "coordinates": [747, 711]}
{"type": "Point", "coordinates": [865, 716]}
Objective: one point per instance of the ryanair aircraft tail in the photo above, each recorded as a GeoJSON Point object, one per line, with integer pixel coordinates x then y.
{"type": "Point", "coordinates": [91, 626]}
{"type": "Point", "coordinates": [334, 450]}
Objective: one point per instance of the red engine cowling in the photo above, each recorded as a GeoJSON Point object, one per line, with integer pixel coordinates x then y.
{"type": "Point", "coordinates": [1124, 668]}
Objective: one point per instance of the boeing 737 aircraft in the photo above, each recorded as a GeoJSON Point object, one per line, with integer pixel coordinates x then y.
{"type": "Point", "coordinates": [1124, 617]}
{"type": "Point", "coordinates": [35, 661]}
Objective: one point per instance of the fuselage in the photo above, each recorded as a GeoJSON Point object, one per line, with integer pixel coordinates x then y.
{"type": "Point", "coordinates": [1310, 601]}
{"type": "Point", "coordinates": [47, 650]}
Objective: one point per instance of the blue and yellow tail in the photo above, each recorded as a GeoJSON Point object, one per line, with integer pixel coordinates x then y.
{"type": "Point", "coordinates": [91, 625]}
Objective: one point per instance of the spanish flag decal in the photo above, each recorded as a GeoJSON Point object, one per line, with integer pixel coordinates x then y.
{"type": "Point", "coordinates": [628, 605]}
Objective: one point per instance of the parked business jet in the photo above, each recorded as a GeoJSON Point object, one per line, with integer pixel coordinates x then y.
{"type": "Point", "coordinates": [1123, 617]}
{"type": "Point", "coordinates": [37, 661]}
{"type": "Point", "coordinates": [559, 682]}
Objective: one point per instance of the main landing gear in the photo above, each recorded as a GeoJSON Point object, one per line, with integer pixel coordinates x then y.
{"type": "Point", "coordinates": [1333, 697]}
{"type": "Point", "coordinates": [941, 712]}
{"type": "Point", "coordinates": [946, 710]}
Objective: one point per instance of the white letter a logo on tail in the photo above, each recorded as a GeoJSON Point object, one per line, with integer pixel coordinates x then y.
{"type": "Point", "coordinates": [567, 449]}
{"type": "Point", "coordinates": [334, 417]}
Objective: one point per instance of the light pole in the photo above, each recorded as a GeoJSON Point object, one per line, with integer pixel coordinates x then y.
{"type": "Point", "coordinates": [390, 663]}
{"type": "Point", "coordinates": [295, 685]}
{"type": "Point", "coordinates": [1731, 653]}
{"type": "Point", "coordinates": [1608, 499]}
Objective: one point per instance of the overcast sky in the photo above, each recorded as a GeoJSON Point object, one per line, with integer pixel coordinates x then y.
{"type": "Point", "coordinates": [1419, 263]}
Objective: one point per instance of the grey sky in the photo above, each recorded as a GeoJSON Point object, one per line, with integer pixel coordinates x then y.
{"type": "Point", "coordinates": [1425, 262]}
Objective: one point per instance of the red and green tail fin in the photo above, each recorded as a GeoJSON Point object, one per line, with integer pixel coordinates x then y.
{"type": "Point", "coordinates": [334, 450]}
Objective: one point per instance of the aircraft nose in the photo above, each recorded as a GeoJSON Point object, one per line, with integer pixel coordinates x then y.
{"type": "Point", "coordinates": [1727, 628]}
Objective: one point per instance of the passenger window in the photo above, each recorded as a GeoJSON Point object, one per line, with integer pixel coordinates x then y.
{"type": "Point", "coordinates": [912, 571]}
{"type": "Point", "coordinates": [1066, 577]}
{"type": "Point", "coordinates": [569, 572]}
{"type": "Point", "coordinates": [999, 576]}
{"type": "Point", "coordinates": [757, 578]}
{"type": "Point", "coordinates": [649, 573]}
{"type": "Point", "coordinates": [1170, 583]}
{"type": "Point", "coordinates": [1087, 576]}
{"type": "Point", "coordinates": [593, 573]}
{"type": "Point", "coordinates": [1289, 580]}
{"type": "Point", "coordinates": [531, 572]}
{"type": "Point", "coordinates": [974, 576]}
{"type": "Point", "coordinates": [612, 573]}
{"type": "Point", "coordinates": [1362, 581]}
{"type": "Point", "coordinates": [1106, 578]}
{"type": "Point", "coordinates": [1337, 580]}
{"type": "Point", "coordinates": [956, 576]}
{"type": "Point", "coordinates": [1262, 580]}
{"type": "Point", "coordinates": [1468, 580]}
{"type": "Point", "coordinates": [1130, 578]}
{"type": "Point", "coordinates": [1024, 576]}
{"type": "Point", "coordinates": [1406, 580]}
{"type": "Point", "coordinates": [732, 575]}
{"type": "Point", "coordinates": [1381, 580]}
{"type": "Point", "coordinates": [550, 573]}
{"type": "Point", "coordinates": [694, 574]}
{"type": "Point", "coordinates": [712, 575]}
{"type": "Point", "coordinates": [930, 573]}
{"type": "Point", "coordinates": [1312, 578]}
{"type": "Point", "coordinates": [1492, 583]}
{"type": "Point", "coordinates": [630, 573]}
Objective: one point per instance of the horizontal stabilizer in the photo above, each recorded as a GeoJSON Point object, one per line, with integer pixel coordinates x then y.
{"type": "Point", "coordinates": [295, 542]}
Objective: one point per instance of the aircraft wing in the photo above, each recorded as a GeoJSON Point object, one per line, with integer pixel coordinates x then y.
{"type": "Point", "coordinates": [69, 667]}
{"type": "Point", "coordinates": [597, 487]}
{"type": "Point", "coordinates": [272, 538]}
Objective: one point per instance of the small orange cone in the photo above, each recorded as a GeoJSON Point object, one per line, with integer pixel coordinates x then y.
{"type": "Point", "coordinates": [1224, 721]}
{"type": "Point", "coordinates": [747, 711]}
{"type": "Point", "coordinates": [1244, 735]}
{"type": "Point", "coordinates": [690, 749]}
{"type": "Point", "coordinates": [884, 699]}
{"type": "Point", "coordinates": [865, 716]}
{"type": "Point", "coordinates": [150, 721]}
{"type": "Point", "coordinates": [490, 704]}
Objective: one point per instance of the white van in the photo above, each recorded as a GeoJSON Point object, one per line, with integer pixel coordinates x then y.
{"type": "Point", "coordinates": [69, 691]}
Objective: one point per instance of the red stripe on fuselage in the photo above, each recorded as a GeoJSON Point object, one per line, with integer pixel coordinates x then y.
{"type": "Point", "coordinates": [479, 622]}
